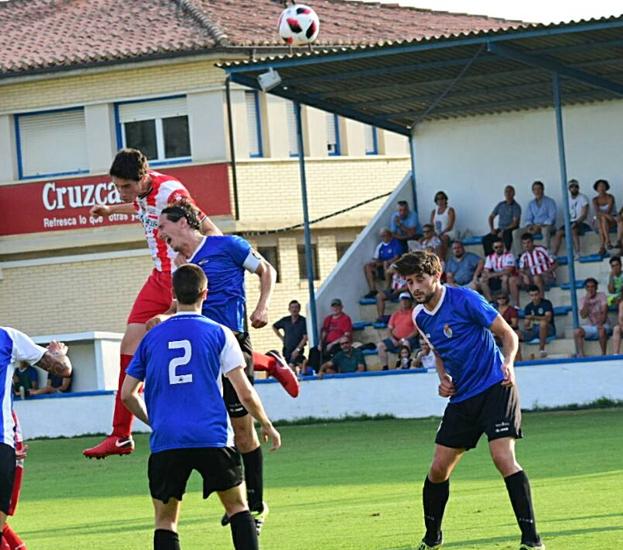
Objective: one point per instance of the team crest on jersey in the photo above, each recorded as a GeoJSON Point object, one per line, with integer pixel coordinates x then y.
{"type": "Point", "coordinates": [447, 331]}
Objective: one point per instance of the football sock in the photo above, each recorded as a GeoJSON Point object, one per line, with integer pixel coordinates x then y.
{"type": "Point", "coordinates": [11, 538]}
{"type": "Point", "coordinates": [122, 417]}
{"type": "Point", "coordinates": [254, 478]}
{"type": "Point", "coordinates": [243, 531]}
{"type": "Point", "coordinates": [166, 540]}
{"type": "Point", "coordinates": [518, 488]}
{"type": "Point", "coordinates": [434, 496]}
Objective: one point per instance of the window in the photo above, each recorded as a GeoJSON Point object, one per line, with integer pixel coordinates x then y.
{"type": "Point", "coordinates": [292, 137]}
{"type": "Point", "coordinates": [333, 135]}
{"type": "Point", "coordinates": [254, 123]}
{"type": "Point", "coordinates": [341, 249]}
{"type": "Point", "coordinates": [52, 143]}
{"type": "Point", "coordinates": [271, 255]}
{"type": "Point", "coordinates": [159, 128]}
{"type": "Point", "coordinates": [372, 140]}
{"type": "Point", "coordinates": [303, 261]}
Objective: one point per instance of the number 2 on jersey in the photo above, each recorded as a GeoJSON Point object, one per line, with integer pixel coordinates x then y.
{"type": "Point", "coordinates": [175, 378]}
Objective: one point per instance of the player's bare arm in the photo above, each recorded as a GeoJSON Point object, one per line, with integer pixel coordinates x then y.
{"type": "Point", "coordinates": [131, 398]}
{"type": "Point", "coordinates": [160, 318]}
{"type": "Point", "coordinates": [208, 227]}
{"type": "Point", "coordinates": [268, 278]}
{"type": "Point", "coordinates": [108, 209]}
{"type": "Point", "coordinates": [55, 360]}
{"type": "Point", "coordinates": [446, 385]}
{"type": "Point", "coordinates": [510, 345]}
{"type": "Point", "coordinates": [251, 401]}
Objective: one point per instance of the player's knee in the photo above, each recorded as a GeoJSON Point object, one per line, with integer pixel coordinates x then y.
{"type": "Point", "coordinates": [439, 471]}
{"type": "Point", "coordinates": [504, 461]}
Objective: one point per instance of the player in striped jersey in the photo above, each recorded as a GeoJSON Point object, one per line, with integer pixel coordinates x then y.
{"type": "Point", "coordinates": [145, 193]}
{"type": "Point", "coordinates": [15, 346]}
{"type": "Point", "coordinates": [536, 264]}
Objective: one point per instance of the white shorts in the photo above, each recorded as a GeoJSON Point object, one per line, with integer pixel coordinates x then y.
{"type": "Point", "coordinates": [591, 332]}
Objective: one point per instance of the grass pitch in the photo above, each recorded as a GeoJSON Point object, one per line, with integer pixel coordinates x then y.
{"type": "Point", "coordinates": [351, 485]}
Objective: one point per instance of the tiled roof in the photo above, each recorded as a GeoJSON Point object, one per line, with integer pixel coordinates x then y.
{"type": "Point", "coordinates": [40, 35]}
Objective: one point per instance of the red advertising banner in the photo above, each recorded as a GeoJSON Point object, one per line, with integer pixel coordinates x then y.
{"type": "Point", "coordinates": [56, 205]}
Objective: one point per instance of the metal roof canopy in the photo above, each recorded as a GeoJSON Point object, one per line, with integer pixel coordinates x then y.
{"type": "Point", "coordinates": [398, 86]}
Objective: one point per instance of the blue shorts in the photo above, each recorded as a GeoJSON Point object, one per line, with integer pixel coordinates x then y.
{"type": "Point", "coordinates": [533, 332]}
{"type": "Point", "coordinates": [591, 332]}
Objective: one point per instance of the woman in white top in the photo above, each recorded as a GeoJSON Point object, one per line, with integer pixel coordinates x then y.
{"type": "Point", "coordinates": [605, 214]}
{"type": "Point", "coordinates": [443, 218]}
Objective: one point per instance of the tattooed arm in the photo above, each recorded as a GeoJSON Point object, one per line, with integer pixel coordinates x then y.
{"type": "Point", "coordinates": [55, 360]}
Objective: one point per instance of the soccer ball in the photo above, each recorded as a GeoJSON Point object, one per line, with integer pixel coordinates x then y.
{"type": "Point", "coordinates": [298, 25]}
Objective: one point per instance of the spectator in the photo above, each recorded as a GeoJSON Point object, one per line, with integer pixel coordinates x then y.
{"type": "Point", "coordinates": [428, 241]}
{"type": "Point", "coordinates": [348, 359]}
{"type": "Point", "coordinates": [294, 335]}
{"type": "Point", "coordinates": [578, 213]}
{"type": "Point", "coordinates": [615, 282]}
{"type": "Point", "coordinates": [443, 219]}
{"type": "Point", "coordinates": [25, 379]}
{"type": "Point", "coordinates": [510, 315]}
{"type": "Point", "coordinates": [620, 231]}
{"type": "Point", "coordinates": [508, 213]}
{"type": "Point", "coordinates": [539, 320]}
{"type": "Point", "coordinates": [605, 210]}
{"type": "Point", "coordinates": [398, 286]}
{"type": "Point", "coordinates": [405, 361]}
{"type": "Point", "coordinates": [594, 308]}
{"type": "Point", "coordinates": [402, 331]}
{"type": "Point", "coordinates": [405, 224]}
{"type": "Point", "coordinates": [463, 268]}
{"type": "Point", "coordinates": [334, 327]}
{"type": "Point", "coordinates": [425, 357]}
{"type": "Point", "coordinates": [536, 265]}
{"type": "Point", "coordinates": [540, 215]}
{"type": "Point", "coordinates": [55, 384]}
{"type": "Point", "coordinates": [385, 254]}
{"type": "Point", "coordinates": [500, 273]}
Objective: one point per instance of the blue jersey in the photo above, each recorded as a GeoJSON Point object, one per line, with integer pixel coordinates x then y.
{"type": "Point", "coordinates": [458, 329]}
{"type": "Point", "coordinates": [181, 361]}
{"type": "Point", "coordinates": [224, 260]}
{"type": "Point", "coordinates": [14, 346]}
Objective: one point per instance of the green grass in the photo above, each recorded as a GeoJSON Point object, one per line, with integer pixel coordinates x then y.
{"type": "Point", "coordinates": [352, 485]}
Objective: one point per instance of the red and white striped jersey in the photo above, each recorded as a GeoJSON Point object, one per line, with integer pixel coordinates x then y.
{"type": "Point", "coordinates": [164, 191]}
{"type": "Point", "coordinates": [538, 261]}
{"type": "Point", "coordinates": [500, 262]}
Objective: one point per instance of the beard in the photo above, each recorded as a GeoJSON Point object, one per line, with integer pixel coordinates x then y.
{"type": "Point", "coordinates": [424, 298]}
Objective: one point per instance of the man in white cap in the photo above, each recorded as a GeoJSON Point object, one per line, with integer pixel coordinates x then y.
{"type": "Point", "coordinates": [402, 331]}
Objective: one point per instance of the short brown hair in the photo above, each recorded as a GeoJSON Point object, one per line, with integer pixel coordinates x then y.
{"type": "Point", "coordinates": [129, 164]}
{"type": "Point", "coordinates": [420, 262]}
{"type": "Point", "coordinates": [189, 281]}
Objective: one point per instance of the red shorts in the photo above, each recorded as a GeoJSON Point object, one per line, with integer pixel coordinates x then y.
{"type": "Point", "coordinates": [154, 298]}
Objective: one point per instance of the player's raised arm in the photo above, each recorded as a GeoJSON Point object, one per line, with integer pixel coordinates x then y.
{"type": "Point", "coordinates": [510, 345]}
{"type": "Point", "coordinates": [55, 360]}
{"type": "Point", "coordinates": [108, 209]}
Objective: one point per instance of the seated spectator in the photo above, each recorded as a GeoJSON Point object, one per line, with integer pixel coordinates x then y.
{"type": "Point", "coordinates": [385, 254]}
{"type": "Point", "coordinates": [510, 315]}
{"type": "Point", "coordinates": [463, 268]}
{"type": "Point", "coordinates": [428, 240]}
{"type": "Point", "coordinates": [425, 357]}
{"type": "Point", "coordinates": [540, 217]}
{"type": "Point", "coordinates": [55, 384]}
{"type": "Point", "coordinates": [348, 359]}
{"type": "Point", "coordinates": [334, 327]}
{"type": "Point", "coordinates": [405, 361]}
{"type": "Point", "coordinates": [617, 333]}
{"type": "Point", "coordinates": [594, 308]}
{"type": "Point", "coordinates": [615, 282]}
{"type": "Point", "coordinates": [397, 287]}
{"type": "Point", "coordinates": [500, 273]}
{"type": "Point", "coordinates": [294, 336]}
{"type": "Point", "coordinates": [605, 218]}
{"type": "Point", "coordinates": [404, 224]}
{"type": "Point", "coordinates": [539, 320]}
{"type": "Point", "coordinates": [619, 244]}
{"type": "Point", "coordinates": [508, 214]}
{"type": "Point", "coordinates": [402, 331]}
{"type": "Point", "coordinates": [443, 220]}
{"type": "Point", "coordinates": [578, 213]}
{"type": "Point", "coordinates": [25, 379]}
{"type": "Point", "coordinates": [536, 265]}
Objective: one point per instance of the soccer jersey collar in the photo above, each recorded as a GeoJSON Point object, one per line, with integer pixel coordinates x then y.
{"type": "Point", "coordinates": [199, 246]}
{"type": "Point", "coordinates": [443, 295]}
{"type": "Point", "coordinates": [187, 313]}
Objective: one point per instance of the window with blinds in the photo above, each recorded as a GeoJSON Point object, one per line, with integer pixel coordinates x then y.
{"type": "Point", "coordinates": [51, 144]}
{"type": "Point", "coordinates": [159, 128]}
{"type": "Point", "coordinates": [292, 137]}
{"type": "Point", "coordinates": [372, 140]}
{"type": "Point", "coordinates": [254, 123]}
{"type": "Point", "coordinates": [333, 135]}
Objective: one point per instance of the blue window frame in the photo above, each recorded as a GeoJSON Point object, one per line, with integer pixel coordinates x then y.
{"type": "Point", "coordinates": [254, 123]}
{"type": "Point", "coordinates": [333, 135]}
{"type": "Point", "coordinates": [372, 140]}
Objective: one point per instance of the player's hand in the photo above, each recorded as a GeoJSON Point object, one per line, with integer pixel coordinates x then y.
{"type": "Point", "coordinates": [269, 432]}
{"type": "Point", "coordinates": [446, 386]}
{"type": "Point", "coordinates": [21, 455]}
{"type": "Point", "coordinates": [509, 375]}
{"type": "Point", "coordinates": [100, 210]}
{"type": "Point", "coordinates": [180, 260]}
{"type": "Point", "coordinates": [57, 348]}
{"type": "Point", "coordinates": [259, 318]}
{"type": "Point", "coordinates": [155, 320]}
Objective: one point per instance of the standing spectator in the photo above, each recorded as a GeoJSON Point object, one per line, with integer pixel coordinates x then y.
{"type": "Point", "coordinates": [500, 273]}
{"type": "Point", "coordinates": [443, 219]}
{"type": "Point", "coordinates": [425, 357]}
{"type": "Point", "coordinates": [405, 361]}
{"type": "Point", "coordinates": [405, 224]}
{"type": "Point", "coordinates": [294, 336]}
{"type": "Point", "coordinates": [348, 359]}
{"type": "Point", "coordinates": [578, 213]}
{"type": "Point", "coordinates": [540, 215]}
{"type": "Point", "coordinates": [398, 286]}
{"type": "Point", "coordinates": [508, 213]}
{"type": "Point", "coordinates": [615, 282]}
{"type": "Point", "coordinates": [334, 327]}
{"type": "Point", "coordinates": [536, 265]}
{"type": "Point", "coordinates": [428, 241]}
{"type": "Point", "coordinates": [605, 210]}
{"type": "Point", "coordinates": [539, 320]}
{"type": "Point", "coordinates": [463, 268]}
{"type": "Point", "coordinates": [402, 331]}
{"type": "Point", "coordinates": [594, 308]}
{"type": "Point", "coordinates": [385, 254]}
{"type": "Point", "coordinates": [25, 379]}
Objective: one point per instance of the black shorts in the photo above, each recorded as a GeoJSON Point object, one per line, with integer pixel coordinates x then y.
{"type": "Point", "coordinates": [168, 471]}
{"type": "Point", "coordinates": [7, 476]}
{"type": "Point", "coordinates": [495, 412]}
{"type": "Point", "coordinates": [232, 403]}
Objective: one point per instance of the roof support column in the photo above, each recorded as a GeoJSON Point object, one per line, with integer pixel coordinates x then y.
{"type": "Point", "coordinates": [413, 186]}
{"type": "Point", "coordinates": [565, 202]}
{"type": "Point", "coordinates": [313, 328]}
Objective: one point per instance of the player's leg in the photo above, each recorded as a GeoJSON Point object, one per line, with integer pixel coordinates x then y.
{"type": "Point", "coordinates": [7, 478]}
{"type": "Point", "coordinates": [166, 516]}
{"type": "Point", "coordinates": [243, 529]}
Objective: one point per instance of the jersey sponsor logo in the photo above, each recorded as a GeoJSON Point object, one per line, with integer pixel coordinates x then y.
{"type": "Point", "coordinates": [202, 262]}
{"type": "Point", "coordinates": [447, 331]}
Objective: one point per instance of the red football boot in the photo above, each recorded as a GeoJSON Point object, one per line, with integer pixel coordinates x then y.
{"type": "Point", "coordinates": [112, 445]}
{"type": "Point", "coordinates": [280, 370]}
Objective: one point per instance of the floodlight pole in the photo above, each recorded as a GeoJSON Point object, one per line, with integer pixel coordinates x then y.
{"type": "Point", "coordinates": [565, 201]}
{"type": "Point", "coordinates": [413, 187]}
{"type": "Point", "coordinates": [313, 336]}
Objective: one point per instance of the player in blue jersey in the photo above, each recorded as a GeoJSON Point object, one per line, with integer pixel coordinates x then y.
{"type": "Point", "coordinates": [181, 362]}
{"type": "Point", "coordinates": [15, 347]}
{"type": "Point", "coordinates": [479, 379]}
